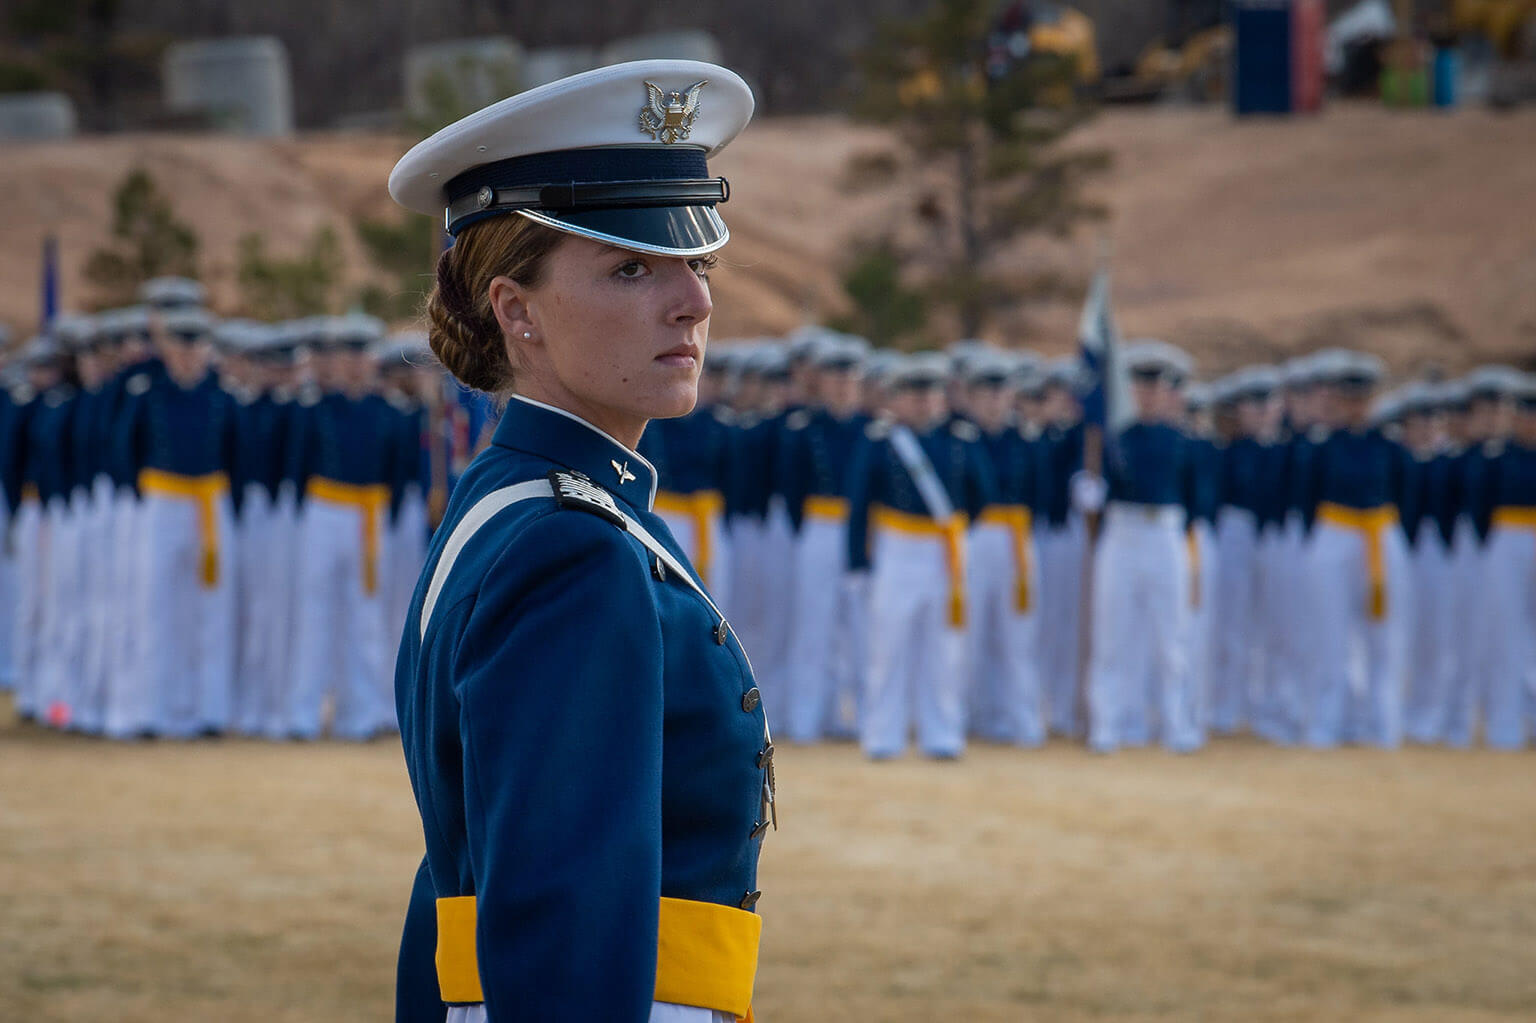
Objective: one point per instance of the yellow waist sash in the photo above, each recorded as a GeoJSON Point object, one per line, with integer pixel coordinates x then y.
{"type": "Point", "coordinates": [706, 954]}
{"type": "Point", "coordinates": [1192, 545]}
{"type": "Point", "coordinates": [953, 534]}
{"type": "Point", "coordinates": [371, 499]}
{"type": "Point", "coordinates": [828, 509]}
{"type": "Point", "coordinates": [704, 508]}
{"type": "Point", "coordinates": [1515, 517]}
{"type": "Point", "coordinates": [206, 491]}
{"type": "Point", "coordinates": [1019, 521]}
{"type": "Point", "coordinates": [1373, 522]}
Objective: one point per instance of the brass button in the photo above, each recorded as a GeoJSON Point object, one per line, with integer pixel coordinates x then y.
{"type": "Point", "coordinates": [750, 701]}
{"type": "Point", "coordinates": [765, 758]}
{"type": "Point", "coordinates": [721, 631]}
{"type": "Point", "coordinates": [750, 899]}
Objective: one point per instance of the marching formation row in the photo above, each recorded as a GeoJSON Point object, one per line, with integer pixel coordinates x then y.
{"type": "Point", "coordinates": [213, 527]}
{"type": "Point", "coordinates": [217, 527]}
{"type": "Point", "coordinates": [904, 545]}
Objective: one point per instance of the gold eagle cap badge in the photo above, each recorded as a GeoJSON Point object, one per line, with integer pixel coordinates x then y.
{"type": "Point", "coordinates": [668, 117]}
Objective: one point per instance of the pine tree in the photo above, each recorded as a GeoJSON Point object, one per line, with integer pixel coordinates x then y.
{"type": "Point", "coordinates": [967, 96]}
{"type": "Point", "coordinates": [147, 241]}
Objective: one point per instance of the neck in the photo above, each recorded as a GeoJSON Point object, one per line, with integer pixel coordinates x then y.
{"type": "Point", "coordinates": [622, 427]}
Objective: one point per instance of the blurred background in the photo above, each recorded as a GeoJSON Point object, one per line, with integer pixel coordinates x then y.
{"type": "Point", "coordinates": [1271, 176]}
{"type": "Point", "coordinates": [1265, 178]}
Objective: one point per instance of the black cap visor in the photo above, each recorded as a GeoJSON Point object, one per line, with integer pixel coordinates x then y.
{"type": "Point", "coordinates": [660, 230]}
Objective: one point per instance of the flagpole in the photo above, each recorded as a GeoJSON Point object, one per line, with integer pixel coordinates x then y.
{"type": "Point", "coordinates": [1093, 464]}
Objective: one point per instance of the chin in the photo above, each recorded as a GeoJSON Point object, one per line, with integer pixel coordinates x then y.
{"type": "Point", "coordinates": [674, 401]}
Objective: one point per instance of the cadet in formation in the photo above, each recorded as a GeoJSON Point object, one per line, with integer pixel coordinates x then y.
{"type": "Point", "coordinates": [205, 520]}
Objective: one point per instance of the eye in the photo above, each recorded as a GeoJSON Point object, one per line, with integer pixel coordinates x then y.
{"type": "Point", "coordinates": [703, 265]}
{"type": "Point", "coordinates": [633, 269]}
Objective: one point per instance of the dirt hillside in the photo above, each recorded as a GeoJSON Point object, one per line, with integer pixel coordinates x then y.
{"type": "Point", "coordinates": [1411, 234]}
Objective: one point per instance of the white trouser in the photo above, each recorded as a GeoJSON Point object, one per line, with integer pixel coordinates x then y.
{"type": "Point", "coordinates": [1276, 712]}
{"type": "Point", "coordinates": [771, 656]}
{"type": "Point", "coordinates": [97, 660]}
{"type": "Point", "coordinates": [1062, 553]}
{"type": "Point", "coordinates": [31, 542]}
{"type": "Point", "coordinates": [130, 697]}
{"type": "Point", "coordinates": [1431, 661]}
{"type": "Point", "coordinates": [824, 662]}
{"type": "Point", "coordinates": [338, 645]}
{"type": "Point", "coordinates": [1202, 615]}
{"type": "Point", "coordinates": [744, 575]}
{"type": "Point", "coordinates": [1285, 609]}
{"type": "Point", "coordinates": [1469, 559]}
{"type": "Point", "coordinates": [59, 652]}
{"type": "Point", "coordinates": [1357, 691]}
{"type": "Point", "coordinates": [187, 621]}
{"type": "Point", "coordinates": [1232, 677]}
{"type": "Point", "coordinates": [1005, 701]}
{"type": "Point", "coordinates": [916, 656]}
{"type": "Point", "coordinates": [1139, 666]}
{"type": "Point", "coordinates": [281, 623]}
{"type": "Point", "coordinates": [716, 569]}
{"type": "Point", "coordinates": [9, 595]}
{"type": "Point", "coordinates": [254, 670]}
{"type": "Point", "coordinates": [405, 551]}
{"type": "Point", "coordinates": [661, 1012]}
{"type": "Point", "coordinates": [1511, 607]}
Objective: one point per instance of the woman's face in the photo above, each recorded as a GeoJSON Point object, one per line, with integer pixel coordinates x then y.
{"type": "Point", "coordinates": [618, 336]}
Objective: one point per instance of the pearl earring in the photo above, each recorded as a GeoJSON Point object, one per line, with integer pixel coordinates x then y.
{"type": "Point", "coordinates": [527, 334]}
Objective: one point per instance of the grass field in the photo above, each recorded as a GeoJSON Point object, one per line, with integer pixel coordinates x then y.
{"type": "Point", "coordinates": [238, 881]}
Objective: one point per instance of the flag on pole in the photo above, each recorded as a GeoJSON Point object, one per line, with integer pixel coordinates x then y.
{"type": "Point", "coordinates": [1108, 402]}
{"type": "Point", "coordinates": [50, 281]}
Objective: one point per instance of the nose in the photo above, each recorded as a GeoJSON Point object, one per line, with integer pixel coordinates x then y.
{"type": "Point", "coordinates": [688, 295]}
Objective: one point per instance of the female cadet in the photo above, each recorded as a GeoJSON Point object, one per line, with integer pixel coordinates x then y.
{"type": "Point", "coordinates": [587, 746]}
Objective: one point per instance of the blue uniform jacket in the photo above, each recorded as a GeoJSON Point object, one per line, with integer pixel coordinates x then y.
{"type": "Point", "coordinates": [49, 450]}
{"type": "Point", "coordinates": [697, 452]}
{"type": "Point", "coordinates": [581, 738]}
{"type": "Point", "coordinates": [1357, 469]}
{"type": "Point", "coordinates": [188, 431]}
{"type": "Point", "coordinates": [1150, 463]}
{"type": "Point", "coordinates": [877, 476]}
{"type": "Point", "coordinates": [1204, 498]}
{"type": "Point", "coordinates": [814, 457]}
{"type": "Point", "coordinates": [1019, 468]}
{"type": "Point", "coordinates": [1512, 482]}
{"type": "Point", "coordinates": [1065, 455]}
{"type": "Point", "coordinates": [348, 440]}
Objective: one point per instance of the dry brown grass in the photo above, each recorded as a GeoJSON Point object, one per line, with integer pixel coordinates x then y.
{"type": "Point", "coordinates": [241, 881]}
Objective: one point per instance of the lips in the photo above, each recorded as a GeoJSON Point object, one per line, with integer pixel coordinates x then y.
{"type": "Point", "coordinates": [681, 355]}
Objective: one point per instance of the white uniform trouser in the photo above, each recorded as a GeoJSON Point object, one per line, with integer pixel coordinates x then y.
{"type": "Point", "coordinates": [1202, 615]}
{"type": "Point", "coordinates": [1511, 607]}
{"type": "Point", "coordinates": [710, 553]}
{"type": "Point", "coordinates": [1006, 703]}
{"type": "Point", "coordinates": [744, 579]}
{"type": "Point", "coordinates": [1431, 661]}
{"type": "Point", "coordinates": [405, 551]}
{"type": "Point", "coordinates": [1062, 553]}
{"type": "Point", "coordinates": [9, 595]}
{"type": "Point", "coordinates": [1235, 639]}
{"type": "Point", "coordinates": [1285, 608]}
{"type": "Point", "coordinates": [1469, 559]}
{"type": "Point", "coordinates": [187, 623]}
{"type": "Point", "coordinates": [661, 1012]}
{"type": "Point", "coordinates": [1276, 712]}
{"type": "Point", "coordinates": [1357, 692]}
{"type": "Point", "coordinates": [254, 670]}
{"type": "Point", "coordinates": [97, 660]}
{"type": "Point", "coordinates": [916, 658]}
{"type": "Point", "coordinates": [59, 653]}
{"type": "Point", "coordinates": [823, 667]}
{"type": "Point", "coordinates": [31, 540]}
{"type": "Point", "coordinates": [771, 657]}
{"type": "Point", "coordinates": [131, 705]}
{"type": "Point", "coordinates": [1139, 666]}
{"type": "Point", "coordinates": [338, 645]}
{"type": "Point", "coordinates": [282, 621]}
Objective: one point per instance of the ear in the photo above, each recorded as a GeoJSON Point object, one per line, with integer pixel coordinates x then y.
{"type": "Point", "coordinates": [509, 301]}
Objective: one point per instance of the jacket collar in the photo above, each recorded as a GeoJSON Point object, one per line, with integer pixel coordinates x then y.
{"type": "Point", "coordinates": [560, 436]}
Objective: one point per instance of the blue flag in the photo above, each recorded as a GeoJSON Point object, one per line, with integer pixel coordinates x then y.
{"type": "Point", "coordinates": [1107, 404]}
{"type": "Point", "coordinates": [50, 281]}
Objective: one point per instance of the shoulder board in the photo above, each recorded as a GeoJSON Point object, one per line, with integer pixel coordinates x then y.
{"type": "Point", "coordinates": [1318, 434]}
{"type": "Point", "coordinates": [282, 395]}
{"type": "Point", "coordinates": [878, 430]}
{"type": "Point", "coordinates": [309, 397]}
{"type": "Point", "coordinates": [1493, 448]}
{"type": "Point", "coordinates": [1030, 431]}
{"type": "Point", "coordinates": [797, 420]}
{"type": "Point", "coordinates": [723, 415]}
{"type": "Point", "coordinates": [964, 431]}
{"type": "Point", "coordinates": [22, 393]}
{"type": "Point", "coordinates": [137, 384]}
{"type": "Point", "coordinates": [399, 402]}
{"type": "Point", "coordinates": [576, 490]}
